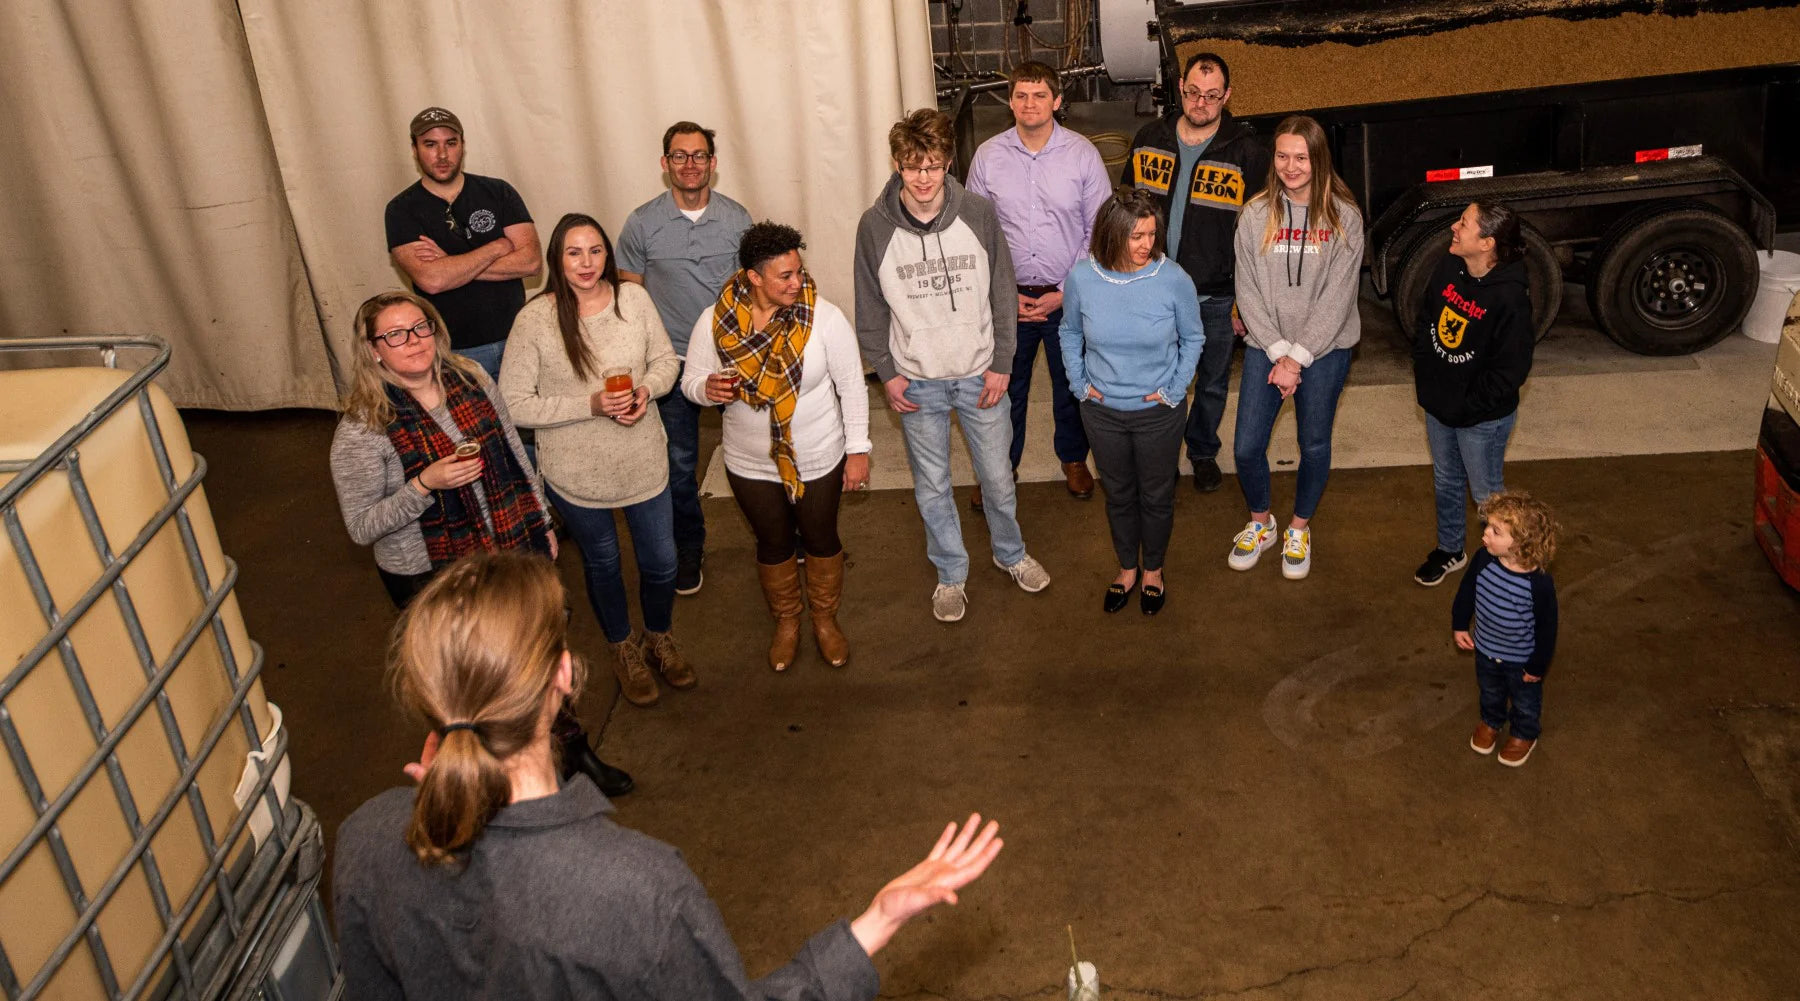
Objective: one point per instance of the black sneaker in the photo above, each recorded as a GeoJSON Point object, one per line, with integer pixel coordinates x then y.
{"type": "Point", "coordinates": [1439, 565]}
{"type": "Point", "coordinates": [688, 575]}
{"type": "Point", "coordinates": [1207, 475]}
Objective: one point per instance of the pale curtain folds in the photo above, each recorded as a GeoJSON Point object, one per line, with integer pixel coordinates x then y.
{"type": "Point", "coordinates": [168, 155]}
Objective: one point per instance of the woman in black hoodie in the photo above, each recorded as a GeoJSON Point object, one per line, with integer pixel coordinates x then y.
{"type": "Point", "coordinates": [1471, 349]}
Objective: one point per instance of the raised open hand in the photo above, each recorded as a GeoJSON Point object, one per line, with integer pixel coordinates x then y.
{"type": "Point", "coordinates": [955, 861]}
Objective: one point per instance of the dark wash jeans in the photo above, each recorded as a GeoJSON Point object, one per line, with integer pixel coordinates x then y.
{"type": "Point", "coordinates": [652, 540]}
{"type": "Point", "coordinates": [1070, 440]}
{"type": "Point", "coordinates": [681, 424]}
{"type": "Point", "coordinates": [1503, 683]}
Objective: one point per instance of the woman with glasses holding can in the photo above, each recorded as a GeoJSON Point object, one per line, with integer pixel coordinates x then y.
{"type": "Point", "coordinates": [429, 468]}
{"type": "Point", "coordinates": [585, 359]}
{"type": "Point", "coordinates": [785, 364]}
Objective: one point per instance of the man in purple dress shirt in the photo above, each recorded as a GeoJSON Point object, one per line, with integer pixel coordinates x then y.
{"type": "Point", "coordinates": [1046, 183]}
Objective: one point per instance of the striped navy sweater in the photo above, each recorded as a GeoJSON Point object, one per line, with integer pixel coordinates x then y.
{"type": "Point", "coordinates": [1514, 613]}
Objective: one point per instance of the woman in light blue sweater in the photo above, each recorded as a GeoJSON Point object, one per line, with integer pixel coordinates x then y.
{"type": "Point", "coordinates": [1131, 336]}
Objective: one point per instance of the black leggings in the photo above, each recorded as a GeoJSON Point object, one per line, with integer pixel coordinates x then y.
{"type": "Point", "coordinates": [775, 519]}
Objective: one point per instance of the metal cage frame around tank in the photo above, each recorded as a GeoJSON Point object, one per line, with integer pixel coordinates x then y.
{"type": "Point", "coordinates": [209, 970]}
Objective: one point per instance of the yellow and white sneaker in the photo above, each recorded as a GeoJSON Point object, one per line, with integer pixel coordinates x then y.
{"type": "Point", "coordinates": [1250, 544]}
{"type": "Point", "coordinates": [1296, 553]}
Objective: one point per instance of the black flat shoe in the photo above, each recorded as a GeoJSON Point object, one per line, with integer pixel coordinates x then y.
{"type": "Point", "coordinates": [1117, 597]}
{"type": "Point", "coordinates": [579, 757]}
{"type": "Point", "coordinates": [1150, 601]}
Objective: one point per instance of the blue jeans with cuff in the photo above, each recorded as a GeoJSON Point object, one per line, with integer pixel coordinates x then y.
{"type": "Point", "coordinates": [1506, 697]}
{"type": "Point", "coordinates": [988, 433]}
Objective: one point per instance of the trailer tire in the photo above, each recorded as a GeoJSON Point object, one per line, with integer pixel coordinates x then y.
{"type": "Point", "coordinates": [1543, 274]}
{"type": "Point", "coordinates": [1672, 280]}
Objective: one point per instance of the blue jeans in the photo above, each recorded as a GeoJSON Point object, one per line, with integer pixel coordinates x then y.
{"type": "Point", "coordinates": [652, 540]}
{"type": "Point", "coordinates": [487, 356]}
{"type": "Point", "coordinates": [1212, 379]}
{"type": "Point", "coordinates": [1315, 410]}
{"type": "Point", "coordinates": [989, 436]}
{"type": "Point", "coordinates": [1070, 440]}
{"type": "Point", "coordinates": [1502, 684]}
{"type": "Point", "coordinates": [681, 423]}
{"type": "Point", "coordinates": [1465, 459]}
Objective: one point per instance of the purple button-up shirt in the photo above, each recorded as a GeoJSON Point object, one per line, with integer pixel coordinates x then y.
{"type": "Point", "coordinates": [1046, 200]}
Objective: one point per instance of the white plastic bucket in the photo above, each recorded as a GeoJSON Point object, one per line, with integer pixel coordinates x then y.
{"type": "Point", "coordinates": [1774, 292]}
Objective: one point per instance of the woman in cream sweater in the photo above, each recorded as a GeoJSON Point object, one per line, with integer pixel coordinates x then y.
{"type": "Point", "coordinates": [596, 449]}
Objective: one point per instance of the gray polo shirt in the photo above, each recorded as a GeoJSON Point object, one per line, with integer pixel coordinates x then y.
{"type": "Point", "coordinates": [556, 901]}
{"type": "Point", "coordinates": [684, 263]}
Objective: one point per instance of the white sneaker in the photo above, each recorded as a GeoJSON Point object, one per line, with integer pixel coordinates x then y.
{"type": "Point", "coordinates": [1296, 553]}
{"type": "Point", "coordinates": [1028, 573]}
{"type": "Point", "coordinates": [1256, 539]}
{"type": "Point", "coordinates": [949, 602]}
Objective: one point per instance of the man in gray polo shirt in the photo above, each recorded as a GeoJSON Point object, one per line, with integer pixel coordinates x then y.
{"type": "Point", "coordinates": [682, 247]}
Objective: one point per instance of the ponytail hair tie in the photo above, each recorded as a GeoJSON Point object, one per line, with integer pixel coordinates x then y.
{"type": "Point", "coordinates": [448, 728]}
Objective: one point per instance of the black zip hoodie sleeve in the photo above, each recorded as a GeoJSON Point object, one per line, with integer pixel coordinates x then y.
{"type": "Point", "coordinates": [1472, 344]}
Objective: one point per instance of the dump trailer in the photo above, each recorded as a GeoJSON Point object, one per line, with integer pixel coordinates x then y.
{"type": "Point", "coordinates": [1649, 145]}
{"type": "Point", "coordinates": [149, 847]}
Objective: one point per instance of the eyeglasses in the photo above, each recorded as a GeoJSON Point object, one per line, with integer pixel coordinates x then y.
{"type": "Point", "coordinates": [1193, 95]}
{"type": "Point", "coordinates": [449, 219]}
{"type": "Point", "coordinates": [925, 170]}
{"type": "Point", "coordinates": [396, 338]}
{"type": "Point", "coordinates": [680, 159]}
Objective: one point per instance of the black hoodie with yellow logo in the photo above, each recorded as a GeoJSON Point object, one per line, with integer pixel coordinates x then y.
{"type": "Point", "coordinates": [1472, 343]}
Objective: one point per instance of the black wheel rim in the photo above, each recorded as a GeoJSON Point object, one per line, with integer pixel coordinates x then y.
{"type": "Point", "coordinates": [1678, 286]}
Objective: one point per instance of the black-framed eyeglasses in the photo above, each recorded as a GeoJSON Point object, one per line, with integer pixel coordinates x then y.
{"type": "Point", "coordinates": [396, 338]}
{"type": "Point", "coordinates": [449, 219]}
{"type": "Point", "coordinates": [1194, 95]}
{"type": "Point", "coordinates": [925, 169]}
{"type": "Point", "coordinates": [680, 158]}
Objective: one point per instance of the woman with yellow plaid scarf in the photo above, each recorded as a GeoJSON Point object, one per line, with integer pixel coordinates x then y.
{"type": "Point", "coordinates": [785, 365]}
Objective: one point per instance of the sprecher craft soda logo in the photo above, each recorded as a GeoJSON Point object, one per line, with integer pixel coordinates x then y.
{"type": "Point", "coordinates": [1451, 327]}
{"type": "Point", "coordinates": [1154, 170]}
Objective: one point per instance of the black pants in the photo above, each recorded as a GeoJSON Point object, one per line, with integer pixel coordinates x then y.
{"type": "Point", "coordinates": [775, 520]}
{"type": "Point", "coordinates": [402, 588]}
{"type": "Point", "coordinates": [1135, 453]}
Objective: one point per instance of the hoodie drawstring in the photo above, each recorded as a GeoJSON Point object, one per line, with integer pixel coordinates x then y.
{"type": "Point", "coordinates": [1305, 234]}
{"type": "Point", "coordinates": [925, 257]}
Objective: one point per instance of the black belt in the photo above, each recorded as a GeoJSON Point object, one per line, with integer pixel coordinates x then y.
{"type": "Point", "coordinates": [1036, 291]}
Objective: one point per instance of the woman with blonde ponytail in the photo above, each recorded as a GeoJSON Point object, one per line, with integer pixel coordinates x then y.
{"type": "Point", "coordinates": [493, 879]}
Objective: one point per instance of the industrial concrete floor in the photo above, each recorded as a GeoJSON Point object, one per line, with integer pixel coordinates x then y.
{"type": "Point", "coordinates": [1265, 793]}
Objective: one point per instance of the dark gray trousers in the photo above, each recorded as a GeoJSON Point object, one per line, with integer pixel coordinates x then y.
{"type": "Point", "coordinates": [1135, 452]}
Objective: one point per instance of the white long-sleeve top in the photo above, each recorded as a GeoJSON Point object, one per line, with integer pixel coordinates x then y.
{"type": "Point", "coordinates": [831, 416]}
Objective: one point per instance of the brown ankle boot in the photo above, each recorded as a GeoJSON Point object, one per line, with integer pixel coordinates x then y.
{"type": "Point", "coordinates": [781, 588]}
{"type": "Point", "coordinates": [824, 586]}
{"type": "Point", "coordinates": [660, 650]}
{"type": "Point", "coordinates": [635, 679]}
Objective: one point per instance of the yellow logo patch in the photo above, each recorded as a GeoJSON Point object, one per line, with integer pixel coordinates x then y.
{"type": "Point", "coordinates": [1451, 327]}
{"type": "Point", "coordinates": [1218, 184]}
{"type": "Point", "coordinates": [1153, 169]}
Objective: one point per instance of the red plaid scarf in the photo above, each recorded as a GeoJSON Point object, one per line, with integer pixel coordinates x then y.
{"type": "Point", "coordinates": [453, 525]}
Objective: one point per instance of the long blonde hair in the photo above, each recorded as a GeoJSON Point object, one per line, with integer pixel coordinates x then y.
{"type": "Point", "coordinates": [366, 400]}
{"type": "Point", "coordinates": [480, 645]}
{"type": "Point", "coordinates": [1324, 190]}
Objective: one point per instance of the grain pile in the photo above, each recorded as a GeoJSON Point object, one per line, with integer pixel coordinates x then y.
{"type": "Point", "coordinates": [1507, 55]}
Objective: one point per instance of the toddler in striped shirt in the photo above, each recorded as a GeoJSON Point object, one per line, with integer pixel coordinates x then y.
{"type": "Point", "coordinates": [1509, 600]}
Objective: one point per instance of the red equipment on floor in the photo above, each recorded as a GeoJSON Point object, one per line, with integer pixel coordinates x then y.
{"type": "Point", "coordinates": [1777, 513]}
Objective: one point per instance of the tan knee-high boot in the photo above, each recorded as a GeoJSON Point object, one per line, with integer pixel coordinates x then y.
{"type": "Point", "coordinates": [824, 586]}
{"type": "Point", "coordinates": [781, 588]}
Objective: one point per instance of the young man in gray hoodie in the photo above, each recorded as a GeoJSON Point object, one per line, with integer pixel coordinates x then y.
{"type": "Point", "coordinates": [936, 315]}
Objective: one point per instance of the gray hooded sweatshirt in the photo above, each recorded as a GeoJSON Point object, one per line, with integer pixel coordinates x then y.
{"type": "Point", "coordinates": [1297, 298]}
{"type": "Point", "coordinates": [938, 303]}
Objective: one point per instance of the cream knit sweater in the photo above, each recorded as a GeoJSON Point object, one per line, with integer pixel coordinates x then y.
{"type": "Point", "coordinates": [592, 461]}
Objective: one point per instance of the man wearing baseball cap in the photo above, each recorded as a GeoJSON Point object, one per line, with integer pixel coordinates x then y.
{"type": "Point", "coordinates": [466, 241]}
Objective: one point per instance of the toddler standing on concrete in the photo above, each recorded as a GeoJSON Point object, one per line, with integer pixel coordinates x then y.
{"type": "Point", "coordinates": [1510, 601]}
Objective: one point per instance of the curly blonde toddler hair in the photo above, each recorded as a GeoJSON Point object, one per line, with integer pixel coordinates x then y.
{"type": "Point", "coordinates": [1531, 522]}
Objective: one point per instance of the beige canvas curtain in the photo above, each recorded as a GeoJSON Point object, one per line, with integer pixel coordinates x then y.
{"type": "Point", "coordinates": [231, 164]}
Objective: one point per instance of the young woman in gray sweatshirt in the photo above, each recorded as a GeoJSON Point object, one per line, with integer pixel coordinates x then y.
{"type": "Point", "coordinates": [1299, 253]}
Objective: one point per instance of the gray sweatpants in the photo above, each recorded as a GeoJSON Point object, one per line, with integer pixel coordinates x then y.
{"type": "Point", "coordinates": [1135, 452]}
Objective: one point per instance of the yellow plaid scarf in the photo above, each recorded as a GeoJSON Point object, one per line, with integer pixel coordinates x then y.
{"type": "Point", "coordinates": [769, 361]}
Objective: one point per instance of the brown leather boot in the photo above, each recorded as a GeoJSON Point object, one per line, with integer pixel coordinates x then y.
{"type": "Point", "coordinates": [662, 653]}
{"type": "Point", "coordinates": [824, 586]}
{"type": "Point", "coordinates": [781, 588]}
{"type": "Point", "coordinates": [635, 679]}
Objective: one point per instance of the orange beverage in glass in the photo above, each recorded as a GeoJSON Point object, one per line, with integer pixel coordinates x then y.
{"type": "Point", "coordinates": [618, 380]}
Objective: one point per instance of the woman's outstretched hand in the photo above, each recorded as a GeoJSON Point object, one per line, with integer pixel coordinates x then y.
{"type": "Point", "coordinates": [955, 861]}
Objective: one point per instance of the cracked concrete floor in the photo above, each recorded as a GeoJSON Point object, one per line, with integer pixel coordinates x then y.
{"type": "Point", "coordinates": [1265, 793]}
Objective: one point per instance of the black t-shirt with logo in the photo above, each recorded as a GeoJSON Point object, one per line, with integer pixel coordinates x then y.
{"type": "Point", "coordinates": [480, 312]}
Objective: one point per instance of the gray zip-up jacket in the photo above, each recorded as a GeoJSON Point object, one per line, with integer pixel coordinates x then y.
{"type": "Point", "coordinates": [1297, 297]}
{"type": "Point", "coordinates": [938, 303]}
